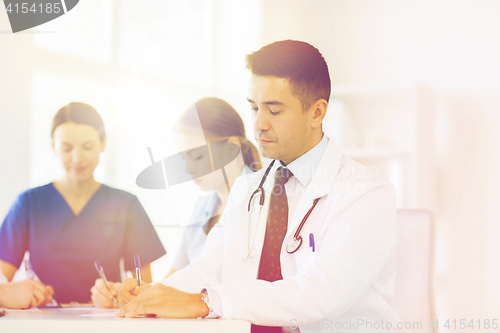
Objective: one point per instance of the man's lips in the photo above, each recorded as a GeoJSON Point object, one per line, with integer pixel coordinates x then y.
{"type": "Point", "coordinates": [263, 141]}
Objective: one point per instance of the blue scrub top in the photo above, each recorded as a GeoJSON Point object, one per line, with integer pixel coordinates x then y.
{"type": "Point", "coordinates": [63, 246]}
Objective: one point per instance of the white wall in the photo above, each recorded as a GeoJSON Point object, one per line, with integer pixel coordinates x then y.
{"type": "Point", "coordinates": [15, 85]}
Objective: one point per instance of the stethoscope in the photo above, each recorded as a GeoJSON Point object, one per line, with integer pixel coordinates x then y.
{"type": "Point", "coordinates": [297, 239]}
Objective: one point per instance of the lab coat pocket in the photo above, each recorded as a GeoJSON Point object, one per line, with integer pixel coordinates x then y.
{"type": "Point", "coordinates": [301, 255]}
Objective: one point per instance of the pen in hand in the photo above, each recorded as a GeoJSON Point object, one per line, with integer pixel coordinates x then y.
{"type": "Point", "coordinates": [137, 270]}
{"type": "Point", "coordinates": [30, 274]}
{"type": "Point", "coordinates": [100, 270]}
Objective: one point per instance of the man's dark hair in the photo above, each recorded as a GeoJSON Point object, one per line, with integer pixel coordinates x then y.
{"type": "Point", "coordinates": [299, 62]}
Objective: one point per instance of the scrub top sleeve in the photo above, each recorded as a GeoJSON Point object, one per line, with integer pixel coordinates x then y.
{"type": "Point", "coordinates": [182, 260]}
{"type": "Point", "coordinates": [14, 232]}
{"type": "Point", "coordinates": [141, 237]}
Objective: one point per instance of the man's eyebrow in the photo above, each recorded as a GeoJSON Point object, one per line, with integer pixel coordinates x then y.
{"type": "Point", "coordinates": [274, 103]}
{"type": "Point", "coordinates": [267, 103]}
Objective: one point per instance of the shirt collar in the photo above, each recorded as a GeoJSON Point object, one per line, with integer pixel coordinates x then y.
{"type": "Point", "coordinates": [303, 167]}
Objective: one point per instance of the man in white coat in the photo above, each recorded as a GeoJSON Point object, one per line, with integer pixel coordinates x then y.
{"type": "Point", "coordinates": [319, 254]}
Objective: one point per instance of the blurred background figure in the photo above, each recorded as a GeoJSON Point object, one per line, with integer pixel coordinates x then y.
{"type": "Point", "coordinates": [220, 123]}
{"type": "Point", "coordinates": [68, 224]}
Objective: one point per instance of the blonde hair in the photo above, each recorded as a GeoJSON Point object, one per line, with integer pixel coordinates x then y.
{"type": "Point", "coordinates": [220, 121]}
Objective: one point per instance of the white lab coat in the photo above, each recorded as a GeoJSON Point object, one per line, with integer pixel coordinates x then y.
{"type": "Point", "coordinates": [349, 278]}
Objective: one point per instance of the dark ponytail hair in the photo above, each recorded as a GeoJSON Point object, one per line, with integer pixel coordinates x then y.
{"type": "Point", "coordinates": [220, 121]}
{"type": "Point", "coordinates": [79, 113]}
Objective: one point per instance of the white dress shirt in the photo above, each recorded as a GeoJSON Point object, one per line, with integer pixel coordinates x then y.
{"type": "Point", "coordinates": [303, 169]}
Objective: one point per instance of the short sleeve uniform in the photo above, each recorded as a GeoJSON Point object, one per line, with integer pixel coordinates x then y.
{"type": "Point", "coordinates": [63, 247]}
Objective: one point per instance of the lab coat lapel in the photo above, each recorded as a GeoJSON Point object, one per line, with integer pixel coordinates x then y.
{"type": "Point", "coordinates": [319, 186]}
{"type": "Point", "coordinates": [250, 226]}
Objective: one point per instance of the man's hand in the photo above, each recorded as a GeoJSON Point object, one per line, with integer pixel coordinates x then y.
{"type": "Point", "coordinates": [129, 290]}
{"type": "Point", "coordinates": [25, 294]}
{"type": "Point", "coordinates": [164, 302]}
{"type": "Point", "coordinates": [104, 298]}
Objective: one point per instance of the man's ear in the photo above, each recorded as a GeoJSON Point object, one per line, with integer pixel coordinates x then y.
{"type": "Point", "coordinates": [318, 112]}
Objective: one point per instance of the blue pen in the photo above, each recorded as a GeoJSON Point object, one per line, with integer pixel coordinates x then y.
{"type": "Point", "coordinates": [100, 270]}
{"type": "Point", "coordinates": [137, 270]}
{"type": "Point", "coordinates": [311, 242]}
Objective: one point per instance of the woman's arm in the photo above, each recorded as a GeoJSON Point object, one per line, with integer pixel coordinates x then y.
{"type": "Point", "coordinates": [14, 236]}
{"type": "Point", "coordinates": [8, 270]}
{"type": "Point", "coordinates": [24, 294]}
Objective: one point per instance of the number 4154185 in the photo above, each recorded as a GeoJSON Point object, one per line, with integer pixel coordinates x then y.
{"type": "Point", "coordinates": [40, 8]}
{"type": "Point", "coordinates": [463, 324]}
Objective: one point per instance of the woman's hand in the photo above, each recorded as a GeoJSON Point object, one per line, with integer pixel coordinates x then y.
{"type": "Point", "coordinates": [130, 289]}
{"type": "Point", "coordinates": [104, 298]}
{"type": "Point", "coordinates": [25, 294]}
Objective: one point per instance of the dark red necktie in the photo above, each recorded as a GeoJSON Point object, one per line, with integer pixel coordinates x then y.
{"type": "Point", "coordinates": [277, 223]}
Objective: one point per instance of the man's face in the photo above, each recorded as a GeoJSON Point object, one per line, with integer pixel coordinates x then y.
{"type": "Point", "coordinates": [281, 128]}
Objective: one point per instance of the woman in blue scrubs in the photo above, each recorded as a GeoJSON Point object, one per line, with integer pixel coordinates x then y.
{"type": "Point", "coordinates": [68, 224]}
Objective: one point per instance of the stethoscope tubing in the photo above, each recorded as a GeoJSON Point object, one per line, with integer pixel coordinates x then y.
{"type": "Point", "coordinates": [260, 190]}
{"type": "Point", "coordinates": [297, 237]}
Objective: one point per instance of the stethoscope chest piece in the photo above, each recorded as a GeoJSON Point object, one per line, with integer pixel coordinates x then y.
{"type": "Point", "coordinates": [292, 248]}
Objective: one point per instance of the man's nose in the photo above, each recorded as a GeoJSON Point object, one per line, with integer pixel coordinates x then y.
{"type": "Point", "coordinates": [260, 122]}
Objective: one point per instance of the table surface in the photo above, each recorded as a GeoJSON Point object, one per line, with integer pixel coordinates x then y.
{"type": "Point", "coordinates": [94, 320]}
